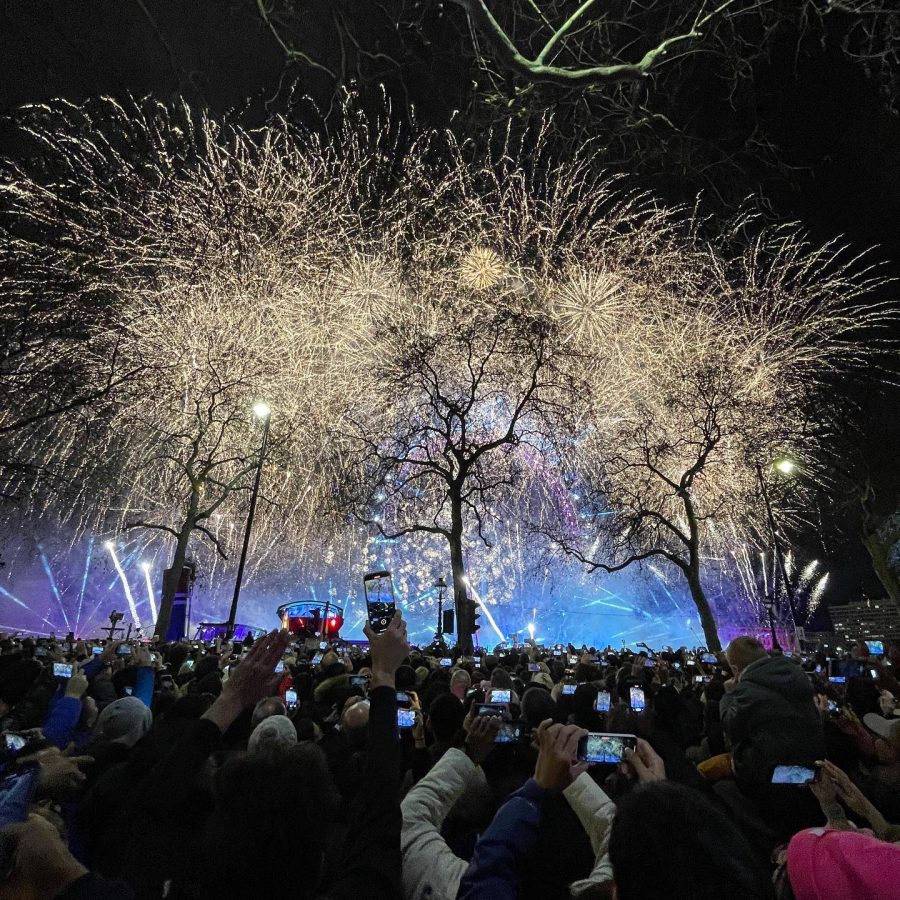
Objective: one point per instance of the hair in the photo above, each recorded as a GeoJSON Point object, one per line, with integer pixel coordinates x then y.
{"type": "Point", "coordinates": [501, 679]}
{"type": "Point", "coordinates": [266, 806]}
{"type": "Point", "coordinates": [537, 705]}
{"type": "Point", "coordinates": [696, 851]}
{"type": "Point", "coordinates": [446, 714]}
{"type": "Point", "coordinates": [268, 706]}
{"type": "Point", "coordinates": [744, 650]}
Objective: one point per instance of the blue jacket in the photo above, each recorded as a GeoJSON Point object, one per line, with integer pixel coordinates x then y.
{"type": "Point", "coordinates": [496, 865]}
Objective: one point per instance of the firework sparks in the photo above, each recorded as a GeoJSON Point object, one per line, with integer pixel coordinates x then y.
{"type": "Point", "coordinates": [225, 266]}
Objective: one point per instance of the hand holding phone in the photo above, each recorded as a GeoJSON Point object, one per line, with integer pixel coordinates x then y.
{"type": "Point", "coordinates": [800, 775]}
{"type": "Point", "coordinates": [637, 699]}
{"type": "Point", "coordinates": [605, 747]}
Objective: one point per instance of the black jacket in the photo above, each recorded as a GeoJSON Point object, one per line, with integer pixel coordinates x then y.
{"type": "Point", "coordinates": [771, 719]}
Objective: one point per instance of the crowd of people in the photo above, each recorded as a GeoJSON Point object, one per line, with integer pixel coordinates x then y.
{"type": "Point", "coordinates": [274, 768]}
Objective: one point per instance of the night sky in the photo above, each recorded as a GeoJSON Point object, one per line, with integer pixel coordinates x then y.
{"type": "Point", "coordinates": [832, 132]}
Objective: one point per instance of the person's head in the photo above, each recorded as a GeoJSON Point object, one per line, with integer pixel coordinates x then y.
{"type": "Point", "coordinates": [743, 651]}
{"type": "Point", "coordinates": [537, 705]}
{"type": "Point", "coordinates": [268, 706]}
{"type": "Point", "coordinates": [272, 731]}
{"type": "Point", "coordinates": [330, 659]}
{"type": "Point", "coordinates": [125, 721]}
{"type": "Point", "coordinates": [266, 806]}
{"type": "Point", "coordinates": [670, 841]}
{"type": "Point", "coordinates": [355, 721]}
{"type": "Point", "coordinates": [862, 696]}
{"type": "Point", "coordinates": [500, 679]}
{"type": "Point", "coordinates": [445, 716]}
{"type": "Point", "coordinates": [460, 682]}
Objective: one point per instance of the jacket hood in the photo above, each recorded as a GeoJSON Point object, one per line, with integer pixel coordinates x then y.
{"type": "Point", "coordinates": [779, 674]}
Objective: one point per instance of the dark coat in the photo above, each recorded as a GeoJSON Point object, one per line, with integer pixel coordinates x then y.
{"type": "Point", "coordinates": [771, 719]}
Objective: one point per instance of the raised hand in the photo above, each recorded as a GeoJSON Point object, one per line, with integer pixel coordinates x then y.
{"type": "Point", "coordinates": [557, 752]}
{"type": "Point", "coordinates": [388, 650]}
{"type": "Point", "coordinates": [645, 762]}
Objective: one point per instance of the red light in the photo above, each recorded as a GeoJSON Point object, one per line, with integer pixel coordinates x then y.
{"type": "Point", "coordinates": [333, 622]}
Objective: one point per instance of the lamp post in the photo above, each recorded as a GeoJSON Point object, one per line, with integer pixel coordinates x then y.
{"type": "Point", "coordinates": [770, 609]}
{"type": "Point", "coordinates": [441, 586]}
{"type": "Point", "coordinates": [786, 467]}
{"type": "Point", "coordinates": [262, 411]}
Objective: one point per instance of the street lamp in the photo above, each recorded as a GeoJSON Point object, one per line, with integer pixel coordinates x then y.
{"type": "Point", "coordinates": [441, 586]}
{"type": "Point", "coordinates": [785, 466]}
{"type": "Point", "coordinates": [264, 412]}
{"type": "Point", "coordinates": [770, 609]}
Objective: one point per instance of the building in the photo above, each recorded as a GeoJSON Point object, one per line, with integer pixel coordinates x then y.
{"type": "Point", "coordinates": [876, 619]}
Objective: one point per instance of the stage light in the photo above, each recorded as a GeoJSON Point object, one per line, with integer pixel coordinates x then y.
{"type": "Point", "coordinates": [785, 466]}
{"type": "Point", "coordinates": [261, 410]}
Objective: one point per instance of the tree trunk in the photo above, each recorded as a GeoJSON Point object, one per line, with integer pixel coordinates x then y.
{"type": "Point", "coordinates": [707, 622]}
{"type": "Point", "coordinates": [171, 578]}
{"type": "Point", "coordinates": [881, 563]}
{"type": "Point", "coordinates": [458, 567]}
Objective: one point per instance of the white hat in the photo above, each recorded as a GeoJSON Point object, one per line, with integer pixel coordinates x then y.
{"type": "Point", "coordinates": [884, 728]}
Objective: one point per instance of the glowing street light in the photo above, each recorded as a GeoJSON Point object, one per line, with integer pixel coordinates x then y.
{"type": "Point", "coordinates": [261, 410]}
{"type": "Point", "coordinates": [786, 466]}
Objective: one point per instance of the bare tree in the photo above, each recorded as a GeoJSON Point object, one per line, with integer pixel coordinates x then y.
{"type": "Point", "coordinates": [451, 456]}
{"type": "Point", "coordinates": [663, 476]}
{"type": "Point", "coordinates": [195, 454]}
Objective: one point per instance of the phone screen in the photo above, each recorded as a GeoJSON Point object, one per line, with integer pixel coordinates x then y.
{"type": "Point", "coordinates": [709, 658]}
{"type": "Point", "coordinates": [599, 747]}
{"type": "Point", "coordinates": [62, 670]}
{"type": "Point", "coordinates": [501, 696]}
{"type": "Point", "coordinates": [702, 679]}
{"type": "Point", "coordinates": [833, 707]}
{"type": "Point", "coordinates": [491, 709]}
{"type": "Point", "coordinates": [510, 733]}
{"type": "Point", "coordinates": [316, 659]}
{"type": "Point", "coordinates": [446, 662]}
{"type": "Point", "coordinates": [534, 667]}
{"type": "Point", "coordinates": [568, 688]}
{"type": "Point", "coordinates": [838, 679]}
{"type": "Point", "coordinates": [380, 605]}
{"type": "Point", "coordinates": [406, 718]}
{"type": "Point", "coordinates": [873, 673]}
{"type": "Point", "coordinates": [793, 775]}
{"type": "Point", "coordinates": [557, 652]}
{"type": "Point", "coordinates": [602, 703]}
{"type": "Point", "coordinates": [279, 666]}
{"type": "Point", "coordinates": [875, 648]}
{"type": "Point", "coordinates": [96, 651]}
{"type": "Point", "coordinates": [124, 650]}
{"type": "Point", "coordinates": [403, 697]}
{"type": "Point", "coordinates": [358, 680]}
{"type": "Point", "coordinates": [637, 698]}
{"type": "Point", "coordinates": [290, 698]}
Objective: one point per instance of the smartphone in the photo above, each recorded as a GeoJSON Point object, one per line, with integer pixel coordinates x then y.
{"type": "Point", "coordinates": [511, 733]}
{"type": "Point", "coordinates": [602, 702]}
{"type": "Point", "coordinates": [875, 648]}
{"type": "Point", "coordinates": [96, 651]}
{"type": "Point", "coordinates": [16, 743]}
{"type": "Point", "coordinates": [568, 689]}
{"type": "Point", "coordinates": [491, 709]}
{"type": "Point", "coordinates": [873, 673]}
{"type": "Point", "coordinates": [290, 698]}
{"type": "Point", "coordinates": [62, 670]}
{"type": "Point", "coordinates": [534, 667]}
{"type": "Point", "coordinates": [676, 665]}
{"type": "Point", "coordinates": [446, 662]}
{"type": "Point", "coordinates": [702, 679]}
{"type": "Point", "coordinates": [557, 652]}
{"type": "Point", "coordinates": [16, 793]}
{"type": "Point", "coordinates": [279, 666]}
{"type": "Point", "coordinates": [123, 650]}
{"type": "Point", "coordinates": [406, 718]}
{"type": "Point", "coordinates": [573, 661]}
{"type": "Point", "coordinates": [637, 699]}
{"type": "Point", "coordinates": [709, 658]}
{"type": "Point", "coordinates": [189, 663]}
{"type": "Point", "coordinates": [793, 775]}
{"type": "Point", "coordinates": [833, 707]}
{"type": "Point", "coordinates": [316, 659]}
{"type": "Point", "coordinates": [41, 651]}
{"type": "Point", "coordinates": [838, 679]}
{"type": "Point", "coordinates": [600, 747]}
{"type": "Point", "coordinates": [501, 696]}
{"type": "Point", "coordinates": [403, 697]}
{"type": "Point", "coordinates": [358, 680]}
{"type": "Point", "coordinates": [380, 604]}
{"type": "Point", "coordinates": [649, 664]}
